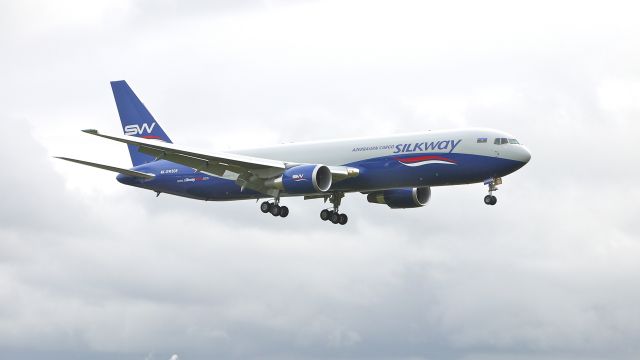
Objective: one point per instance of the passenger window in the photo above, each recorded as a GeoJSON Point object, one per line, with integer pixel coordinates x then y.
{"type": "Point", "coordinates": [482, 140]}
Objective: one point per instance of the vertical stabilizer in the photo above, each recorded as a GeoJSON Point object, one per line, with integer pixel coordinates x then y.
{"type": "Point", "coordinates": [136, 120]}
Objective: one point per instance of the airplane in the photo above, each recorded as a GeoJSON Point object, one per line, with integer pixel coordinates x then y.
{"type": "Point", "coordinates": [398, 170]}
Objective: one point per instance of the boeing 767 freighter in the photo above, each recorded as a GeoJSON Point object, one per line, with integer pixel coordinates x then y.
{"type": "Point", "coordinates": [395, 170]}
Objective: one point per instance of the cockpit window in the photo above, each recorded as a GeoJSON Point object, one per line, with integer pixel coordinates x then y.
{"type": "Point", "coordinates": [482, 140]}
{"type": "Point", "coordinates": [513, 141]}
{"type": "Point", "coordinates": [500, 141]}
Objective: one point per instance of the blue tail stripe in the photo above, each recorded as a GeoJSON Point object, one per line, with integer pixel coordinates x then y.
{"type": "Point", "coordinates": [136, 120]}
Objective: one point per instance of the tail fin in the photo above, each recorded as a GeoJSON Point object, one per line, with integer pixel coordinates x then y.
{"type": "Point", "coordinates": [136, 120]}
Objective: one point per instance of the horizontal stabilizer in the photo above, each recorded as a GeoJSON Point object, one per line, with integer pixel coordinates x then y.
{"type": "Point", "coordinates": [110, 168]}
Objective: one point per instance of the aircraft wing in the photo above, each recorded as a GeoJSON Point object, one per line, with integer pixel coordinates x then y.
{"type": "Point", "coordinates": [251, 171]}
{"type": "Point", "coordinates": [215, 163]}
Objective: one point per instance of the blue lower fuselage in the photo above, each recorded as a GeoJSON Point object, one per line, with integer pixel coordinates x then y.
{"type": "Point", "coordinates": [379, 173]}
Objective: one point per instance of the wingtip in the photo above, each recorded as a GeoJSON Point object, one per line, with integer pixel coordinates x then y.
{"type": "Point", "coordinates": [90, 131]}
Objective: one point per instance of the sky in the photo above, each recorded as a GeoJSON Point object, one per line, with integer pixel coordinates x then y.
{"type": "Point", "coordinates": [92, 269]}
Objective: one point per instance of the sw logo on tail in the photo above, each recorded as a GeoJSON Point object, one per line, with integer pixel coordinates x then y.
{"type": "Point", "coordinates": [135, 129]}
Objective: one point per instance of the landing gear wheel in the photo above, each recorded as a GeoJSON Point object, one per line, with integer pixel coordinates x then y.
{"type": "Point", "coordinates": [275, 210]}
{"type": "Point", "coordinates": [492, 183]}
{"type": "Point", "coordinates": [335, 217]}
{"type": "Point", "coordinates": [265, 207]}
{"type": "Point", "coordinates": [284, 211]}
{"type": "Point", "coordinates": [490, 200]}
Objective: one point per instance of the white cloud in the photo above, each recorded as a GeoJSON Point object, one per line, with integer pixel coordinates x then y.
{"type": "Point", "coordinates": [620, 95]}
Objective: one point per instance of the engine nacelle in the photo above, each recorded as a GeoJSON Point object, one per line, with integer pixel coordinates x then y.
{"type": "Point", "coordinates": [304, 179]}
{"type": "Point", "coordinates": [401, 198]}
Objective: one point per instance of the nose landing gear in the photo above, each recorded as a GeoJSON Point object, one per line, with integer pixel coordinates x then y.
{"type": "Point", "coordinates": [492, 183]}
{"type": "Point", "coordinates": [490, 200]}
{"type": "Point", "coordinates": [334, 215]}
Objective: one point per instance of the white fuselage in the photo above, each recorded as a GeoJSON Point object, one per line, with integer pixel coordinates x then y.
{"type": "Point", "coordinates": [345, 151]}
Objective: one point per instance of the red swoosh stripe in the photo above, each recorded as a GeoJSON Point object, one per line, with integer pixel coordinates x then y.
{"type": "Point", "coordinates": [424, 158]}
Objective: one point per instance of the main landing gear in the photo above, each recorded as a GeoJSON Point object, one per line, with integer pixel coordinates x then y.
{"type": "Point", "coordinates": [274, 208]}
{"type": "Point", "coordinates": [492, 183]}
{"type": "Point", "coordinates": [334, 215]}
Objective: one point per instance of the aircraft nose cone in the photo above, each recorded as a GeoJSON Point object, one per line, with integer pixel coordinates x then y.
{"type": "Point", "coordinates": [524, 155]}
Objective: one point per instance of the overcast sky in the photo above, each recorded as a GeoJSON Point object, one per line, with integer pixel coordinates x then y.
{"type": "Point", "coordinates": [92, 269]}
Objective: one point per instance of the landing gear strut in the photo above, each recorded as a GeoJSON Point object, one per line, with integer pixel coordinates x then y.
{"type": "Point", "coordinates": [334, 215]}
{"type": "Point", "coordinates": [492, 183]}
{"type": "Point", "coordinates": [274, 208]}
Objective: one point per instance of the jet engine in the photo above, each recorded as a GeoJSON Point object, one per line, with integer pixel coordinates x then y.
{"type": "Point", "coordinates": [401, 198]}
{"type": "Point", "coordinates": [303, 179]}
